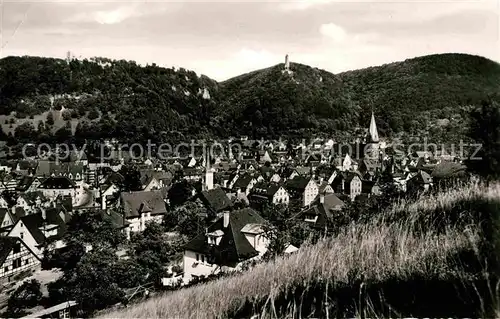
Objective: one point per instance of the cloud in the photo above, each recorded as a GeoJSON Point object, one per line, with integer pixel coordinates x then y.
{"type": "Point", "coordinates": [333, 31]}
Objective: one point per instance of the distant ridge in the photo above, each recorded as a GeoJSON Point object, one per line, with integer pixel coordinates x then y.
{"type": "Point", "coordinates": [425, 95]}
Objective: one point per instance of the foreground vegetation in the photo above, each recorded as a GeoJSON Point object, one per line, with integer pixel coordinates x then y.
{"type": "Point", "coordinates": [425, 258]}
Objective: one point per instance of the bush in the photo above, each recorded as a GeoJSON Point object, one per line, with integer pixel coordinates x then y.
{"type": "Point", "coordinates": [28, 295]}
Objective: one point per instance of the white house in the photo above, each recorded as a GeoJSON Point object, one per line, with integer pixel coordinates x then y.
{"type": "Point", "coordinates": [15, 257]}
{"type": "Point", "coordinates": [234, 238]}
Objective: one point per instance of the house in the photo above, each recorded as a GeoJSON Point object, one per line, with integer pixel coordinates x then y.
{"type": "Point", "coordinates": [35, 230]}
{"type": "Point", "coordinates": [215, 200]}
{"type": "Point", "coordinates": [30, 201]}
{"type": "Point", "coordinates": [15, 258]}
{"type": "Point", "coordinates": [245, 183]}
{"type": "Point", "coordinates": [66, 309]}
{"type": "Point", "coordinates": [348, 183]}
{"type": "Point", "coordinates": [7, 220]}
{"type": "Point", "coordinates": [27, 184]}
{"type": "Point", "coordinates": [236, 237]}
{"type": "Point", "coordinates": [52, 187]}
{"type": "Point", "coordinates": [288, 173]}
{"type": "Point", "coordinates": [264, 157]}
{"type": "Point", "coordinates": [326, 173]}
{"type": "Point", "coordinates": [141, 207]}
{"type": "Point", "coordinates": [154, 180]}
{"type": "Point", "coordinates": [325, 188]}
{"type": "Point", "coordinates": [273, 193]}
{"type": "Point", "coordinates": [107, 192]}
{"type": "Point", "coordinates": [321, 210]}
{"type": "Point", "coordinates": [303, 188]}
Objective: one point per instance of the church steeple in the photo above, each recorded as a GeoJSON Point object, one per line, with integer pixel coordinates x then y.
{"type": "Point", "coordinates": [373, 130]}
{"type": "Point", "coordinates": [209, 174]}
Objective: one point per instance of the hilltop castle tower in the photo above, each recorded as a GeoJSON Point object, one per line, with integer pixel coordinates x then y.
{"type": "Point", "coordinates": [287, 65]}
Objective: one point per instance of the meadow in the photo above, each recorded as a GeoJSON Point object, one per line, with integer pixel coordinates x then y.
{"type": "Point", "coordinates": [431, 257]}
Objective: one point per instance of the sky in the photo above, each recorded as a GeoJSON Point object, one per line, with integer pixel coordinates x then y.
{"type": "Point", "coordinates": [226, 38]}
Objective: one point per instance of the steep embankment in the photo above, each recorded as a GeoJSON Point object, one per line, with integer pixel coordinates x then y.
{"type": "Point", "coordinates": [401, 263]}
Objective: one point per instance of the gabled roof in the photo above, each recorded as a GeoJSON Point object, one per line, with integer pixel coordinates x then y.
{"type": "Point", "coordinates": [33, 223]}
{"type": "Point", "coordinates": [298, 183]}
{"type": "Point", "coordinates": [7, 244]}
{"type": "Point", "coordinates": [243, 181]}
{"type": "Point", "coordinates": [267, 189]}
{"type": "Point", "coordinates": [215, 199]}
{"type": "Point", "coordinates": [24, 183]}
{"type": "Point", "coordinates": [57, 182]}
{"type": "Point", "coordinates": [135, 203]}
{"type": "Point", "coordinates": [233, 246]}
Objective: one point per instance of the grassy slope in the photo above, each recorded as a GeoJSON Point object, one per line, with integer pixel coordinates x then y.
{"type": "Point", "coordinates": [386, 252]}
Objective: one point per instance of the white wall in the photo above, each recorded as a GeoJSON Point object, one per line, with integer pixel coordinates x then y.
{"type": "Point", "coordinates": [27, 238]}
{"type": "Point", "coordinates": [200, 269]}
{"type": "Point", "coordinates": [28, 261]}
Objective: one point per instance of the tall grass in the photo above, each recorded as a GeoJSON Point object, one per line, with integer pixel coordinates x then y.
{"type": "Point", "coordinates": [393, 265]}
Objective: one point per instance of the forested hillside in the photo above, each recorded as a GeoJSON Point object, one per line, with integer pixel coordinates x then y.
{"type": "Point", "coordinates": [129, 100]}
{"type": "Point", "coordinates": [426, 96]}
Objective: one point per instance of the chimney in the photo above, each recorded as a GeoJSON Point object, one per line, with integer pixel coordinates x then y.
{"type": "Point", "coordinates": [226, 219]}
{"type": "Point", "coordinates": [321, 198]}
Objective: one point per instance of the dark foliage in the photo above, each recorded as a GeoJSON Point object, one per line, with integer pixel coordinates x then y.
{"type": "Point", "coordinates": [428, 96]}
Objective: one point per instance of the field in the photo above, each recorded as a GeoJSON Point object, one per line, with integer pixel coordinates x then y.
{"type": "Point", "coordinates": [428, 258]}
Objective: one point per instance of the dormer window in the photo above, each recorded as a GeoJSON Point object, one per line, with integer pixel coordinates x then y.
{"type": "Point", "coordinates": [215, 237]}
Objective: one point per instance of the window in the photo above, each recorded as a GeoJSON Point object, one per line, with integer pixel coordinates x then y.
{"type": "Point", "coordinates": [17, 248]}
{"type": "Point", "coordinates": [21, 234]}
{"type": "Point", "coordinates": [202, 258]}
{"type": "Point", "coordinates": [16, 263]}
{"type": "Point", "coordinates": [197, 257]}
{"type": "Point", "coordinates": [6, 269]}
{"type": "Point", "coordinates": [27, 261]}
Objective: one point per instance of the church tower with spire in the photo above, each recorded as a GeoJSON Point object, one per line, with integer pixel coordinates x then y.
{"type": "Point", "coordinates": [373, 132]}
{"type": "Point", "coordinates": [208, 182]}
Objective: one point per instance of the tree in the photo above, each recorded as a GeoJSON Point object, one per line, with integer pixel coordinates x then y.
{"type": "Point", "coordinates": [485, 130]}
{"type": "Point", "coordinates": [25, 131]}
{"type": "Point", "coordinates": [92, 283]}
{"type": "Point", "coordinates": [152, 250]}
{"type": "Point", "coordinates": [50, 119]}
{"type": "Point", "coordinates": [93, 114]}
{"type": "Point", "coordinates": [89, 229]}
{"type": "Point", "coordinates": [179, 193]}
{"type": "Point", "coordinates": [28, 295]}
{"type": "Point", "coordinates": [283, 228]}
{"type": "Point", "coordinates": [132, 178]}
{"type": "Point", "coordinates": [187, 219]}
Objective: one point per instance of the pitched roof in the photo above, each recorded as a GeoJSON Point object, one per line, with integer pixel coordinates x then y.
{"type": "Point", "coordinates": [298, 183]}
{"type": "Point", "coordinates": [233, 246]}
{"type": "Point", "coordinates": [215, 199]}
{"type": "Point", "coordinates": [243, 181]}
{"type": "Point", "coordinates": [267, 189]}
{"type": "Point", "coordinates": [57, 182]}
{"type": "Point", "coordinates": [6, 246]}
{"type": "Point", "coordinates": [135, 203]}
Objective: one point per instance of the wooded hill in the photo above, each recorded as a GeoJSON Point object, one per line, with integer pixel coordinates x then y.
{"type": "Point", "coordinates": [424, 96]}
